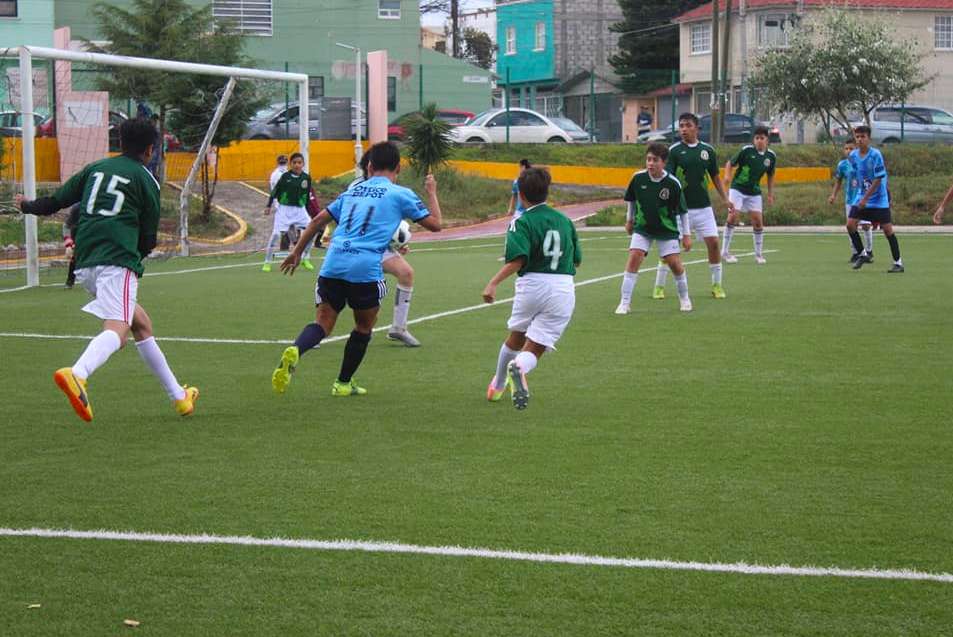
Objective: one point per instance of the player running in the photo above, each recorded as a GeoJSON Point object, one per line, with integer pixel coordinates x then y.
{"type": "Point", "coordinates": [694, 163]}
{"type": "Point", "coordinates": [656, 213]}
{"type": "Point", "coordinates": [754, 162]}
{"type": "Point", "coordinates": [543, 249]}
{"type": "Point", "coordinates": [844, 176]}
{"type": "Point", "coordinates": [367, 216]}
{"type": "Point", "coordinates": [871, 201]}
{"type": "Point", "coordinates": [117, 228]}
{"type": "Point", "coordinates": [292, 193]}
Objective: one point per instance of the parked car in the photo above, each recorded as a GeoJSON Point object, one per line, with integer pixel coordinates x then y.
{"type": "Point", "coordinates": [454, 117]}
{"type": "Point", "coordinates": [281, 122]}
{"type": "Point", "coordinates": [920, 124]}
{"type": "Point", "coordinates": [575, 131]}
{"type": "Point", "coordinates": [11, 123]}
{"type": "Point", "coordinates": [738, 130]}
{"type": "Point", "coordinates": [525, 126]}
{"type": "Point", "coordinates": [47, 128]}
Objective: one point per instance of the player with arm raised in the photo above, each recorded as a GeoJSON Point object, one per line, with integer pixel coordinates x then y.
{"type": "Point", "coordinates": [542, 247]}
{"type": "Point", "coordinates": [753, 162]}
{"type": "Point", "coordinates": [118, 226]}
{"type": "Point", "coordinates": [367, 216]}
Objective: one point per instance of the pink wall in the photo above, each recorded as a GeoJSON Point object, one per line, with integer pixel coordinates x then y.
{"type": "Point", "coordinates": [82, 117]}
{"type": "Point", "coordinates": [377, 96]}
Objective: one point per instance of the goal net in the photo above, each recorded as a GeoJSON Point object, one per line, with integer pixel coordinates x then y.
{"type": "Point", "coordinates": [61, 109]}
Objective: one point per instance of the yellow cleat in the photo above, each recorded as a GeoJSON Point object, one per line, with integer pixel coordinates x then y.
{"type": "Point", "coordinates": [347, 389]}
{"type": "Point", "coordinates": [658, 293]}
{"type": "Point", "coordinates": [75, 389]}
{"type": "Point", "coordinates": [266, 267]}
{"type": "Point", "coordinates": [186, 406]}
{"type": "Point", "coordinates": [281, 377]}
{"type": "Point", "coordinates": [717, 291]}
{"type": "Point", "coordinates": [493, 394]}
{"type": "Point", "coordinates": [308, 265]}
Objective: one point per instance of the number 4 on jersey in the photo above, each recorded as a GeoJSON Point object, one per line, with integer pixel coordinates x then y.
{"type": "Point", "coordinates": [551, 248]}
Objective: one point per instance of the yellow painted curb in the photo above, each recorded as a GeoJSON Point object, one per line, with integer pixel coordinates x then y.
{"type": "Point", "coordinates": [233, 238]}
{"type": "Point", "coordinates": [258, 190]}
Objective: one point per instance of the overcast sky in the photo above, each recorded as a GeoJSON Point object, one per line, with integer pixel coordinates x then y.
{"type": "Point", "coordinates": [438, 18]}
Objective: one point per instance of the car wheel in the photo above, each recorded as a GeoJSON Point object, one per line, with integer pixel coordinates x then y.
{"type": "Point", "coordinates": [476, 140]}
{"type": "Point", "coordinates": [555, 140]}
{"type": "Point", "coordinates": [891, 140]}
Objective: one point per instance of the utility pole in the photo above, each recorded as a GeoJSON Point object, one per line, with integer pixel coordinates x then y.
{"type": "Point", "coordinates": [455, 26]}
{"type": "Point", "coordinates": [715, 102]}
{"type": "Point", "coordinates": [725, 93]}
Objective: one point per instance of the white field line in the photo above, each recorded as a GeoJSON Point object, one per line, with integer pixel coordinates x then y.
{"type": "Point", "coordinates": [334, 339]}
{"type": "Point", "coordinates": [741, 568]}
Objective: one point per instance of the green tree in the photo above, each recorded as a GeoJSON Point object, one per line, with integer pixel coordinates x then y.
{"type": "Point", "coordinates": [648, 43]}
{"type": "Point", "coordinates": [428, 140]}
{"type": "Point", "coordinates": [839, 64]}
{"type": "Point", "coordinates": [478, 48]}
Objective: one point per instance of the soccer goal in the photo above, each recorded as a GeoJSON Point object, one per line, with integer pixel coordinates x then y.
{"type": "Point", "coordinates": [62, 108]}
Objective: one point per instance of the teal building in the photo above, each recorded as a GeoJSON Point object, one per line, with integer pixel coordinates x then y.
{"type": "Point", "coordinates": [526, 58]}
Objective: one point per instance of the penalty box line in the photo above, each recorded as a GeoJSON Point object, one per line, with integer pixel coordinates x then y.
{"type": "Point", "coordinates": [343, 337]}
{"type": "Point", "coordinates": [576, 559]}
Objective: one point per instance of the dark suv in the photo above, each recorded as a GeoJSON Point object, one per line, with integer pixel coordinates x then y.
{"type": "Point", "coordinates": [738, 130]}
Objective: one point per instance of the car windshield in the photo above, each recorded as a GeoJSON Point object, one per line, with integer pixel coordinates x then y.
{"type": "Point", "coordinates": [268, 111]}
{"type": "Point", "coordinates": [481, 119]}
{"type": "Point", "coordinates": [453, 118]}
{"type": "Point", "coordinates": [567, 124]}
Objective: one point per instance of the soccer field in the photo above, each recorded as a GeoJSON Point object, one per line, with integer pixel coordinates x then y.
{"type": "Point", "coordinates": [803, 422]}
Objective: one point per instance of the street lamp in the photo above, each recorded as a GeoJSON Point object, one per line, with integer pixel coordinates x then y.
{"type": "Point", "coordinates": [358, 70]}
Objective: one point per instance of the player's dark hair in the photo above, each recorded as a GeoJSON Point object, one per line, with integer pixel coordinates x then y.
{"type": "Point", "coordinates": [295, 156]}
{"type": "Point", "coordinates": [658, 149]}
{"type": "Point", "coordinates": [384, 156]}
{"type": "Point", "coordinates": [136, 135]}
{"type": "Point", "coordinates": [850, 140]}
{"type": "Point", "coordinates": [761, 130]}
{"type": "Point", "coordinates": [863, 128]}
{"type": "Point", "coordinates": [689, 117]}
{"type": "Point", "coordinates": [525, 163]}
{"type": "Point", "coordinates": [365, 159]}
{"type": "Point", "coordinates": [534, 185]}
{"type": "Point", "coordinates": [282, 159]}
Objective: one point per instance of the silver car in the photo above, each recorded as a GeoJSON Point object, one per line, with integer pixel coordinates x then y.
{"type": "Point", "coordinates": [280, 122]}
{"type": "Point", "coordinates": [920, 124]}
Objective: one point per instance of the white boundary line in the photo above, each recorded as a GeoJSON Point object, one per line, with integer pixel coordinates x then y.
{"type": "Point", "coordinates": [741, 568]}
{"type": "Point", "coordinates": [334, 339]}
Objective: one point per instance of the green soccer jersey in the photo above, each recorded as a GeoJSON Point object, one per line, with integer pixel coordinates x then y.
{"type": "Point", "coordinates": [694, 166]}
{"type": "Point", "coordinates": [292, 190]}
{"type": "Point", "coordinates": [657, 205]}
{"type": "Point", "coordinates": [546, 239]}
{"type": "Point", "coordinates": [752, 167]}
{"type": "Point", "coordinates": [119, 212]}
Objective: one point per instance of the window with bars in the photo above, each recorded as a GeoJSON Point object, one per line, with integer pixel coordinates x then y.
{"type": "Point", "coordinates": [540, 36]}
{"type": "Point", "coordinates": [315, 86]}
{"type": "Point", "coordinates": [701, 38]}
{"type": "Point", "coordinates": [8, 9]}
{"type": "Point", "coordinates": [248, 17]}
{"type": "Point", "coordinates": [774, 30]}
{"type": "Point", "coordinates": [510, 40]}
{"type": "Point", "coordinates": [943, 32]}
{"type": "Point", "coordinates": [388, 9]}
{"type": "Point", "coordinates": [392, 94]}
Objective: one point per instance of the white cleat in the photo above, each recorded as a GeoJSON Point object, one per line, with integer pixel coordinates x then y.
{"type": "Point", "coordinates": [685, 305]}
{"type": "Point", "coordinates": [760, 260]}
{"type": "Point", "coordinates": [404, 337]}
{"type": "Point", "coordinates": [622, 309]}
{"type": "Point", "coordinates": [729, 258]}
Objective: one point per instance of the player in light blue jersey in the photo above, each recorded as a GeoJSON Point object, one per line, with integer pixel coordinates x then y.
{"type": "Point", "coordinates": [367, 216]}
{"type": "Point", "coordinates": [516, 208]}
{"type": "Point", "coordinates": [844, 177]}
{"type": "Point", "coordinates": [871, 201]}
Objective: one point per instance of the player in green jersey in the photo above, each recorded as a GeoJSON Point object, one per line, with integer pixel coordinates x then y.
{"type": "Point", "coordinates": [292, 192]}
{"type": "Point", "coordinates": [543, 249]}
{"type": "Point", "coordinates": [695, 164]}
{"type": "Point", "coordinates": [656, 214]}
{"type": "Point", "coordinates": [754, 162]}
{"type": "Point", "coordinates": [118, 227]}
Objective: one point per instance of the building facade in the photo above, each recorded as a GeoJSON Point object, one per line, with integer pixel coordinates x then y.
{"type": "Point", "coordinates": [761, 24]}
{"type": "Point", "coordinates": [300, 36]}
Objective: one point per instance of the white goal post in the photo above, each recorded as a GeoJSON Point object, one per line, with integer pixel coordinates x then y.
{"type": "Point", "coordinates": [28, 53]}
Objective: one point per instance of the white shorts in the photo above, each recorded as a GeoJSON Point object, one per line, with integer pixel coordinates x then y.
{"type": "Point", "coordinates": [389, 254]}
{"type": "Point", "coordinates": [543, 306]}
{"type": "Point", "coordinates": [287, 216]}
{"type": "Point", "coordinates": [702, 221]}
{"type": "Point", "coordinates": [665, 246]}
{"type": "Point", "coordinates": [114, 289]}
{"type": "Point", "coordinates": [745, 203]}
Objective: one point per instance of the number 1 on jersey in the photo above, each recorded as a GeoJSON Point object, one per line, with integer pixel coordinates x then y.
{"type": "Point", "coordinates": [551, 248]}
{"type": "Point", "coordinates": [120, 197]}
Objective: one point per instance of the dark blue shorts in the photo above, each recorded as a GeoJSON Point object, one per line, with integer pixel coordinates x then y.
{"type": "Point", "coordinates": [360, 296]}
{"type": "Point", "coordinates": [874, 215]}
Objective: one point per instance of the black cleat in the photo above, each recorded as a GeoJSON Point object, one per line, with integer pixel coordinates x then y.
{"type": "Point", "coordinates": [895, 268]}
{"type": "Point", "coordinates": [870, 257]}
{"type": "Point", "coordinates": [853, 258]}
{"type": "Point", "coordinates": [861, 260]}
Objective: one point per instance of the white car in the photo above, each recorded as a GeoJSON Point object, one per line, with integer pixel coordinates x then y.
{"type": "Point", "coordinates": [526, 127]}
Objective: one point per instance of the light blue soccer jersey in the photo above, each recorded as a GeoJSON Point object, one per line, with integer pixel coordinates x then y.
{"type": "Point", "coordinates": [846, 174]}
{"type": "Point", "coordinates": [866, 169]}
{"type": "Point", "coordinates": [519, 202]}
{"type": "Point", "coordinates": [367, 216]}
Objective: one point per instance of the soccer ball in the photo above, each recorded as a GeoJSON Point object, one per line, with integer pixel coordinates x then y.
{"type": "Point", "coordinates": [401, 236]}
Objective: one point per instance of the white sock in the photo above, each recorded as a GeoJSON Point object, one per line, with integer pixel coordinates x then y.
{"type": "Point", "coordinates": [402, 306]}
{"type": "Point", "coordinates": [715, 273]}
{"type": "Point", "coordinates": [758, 236]}
{"type": "Point", "coordinates": [628, 285]}
{"type": "Point", "coordinates": [681, 283]}
{"type": "Point", "coordinates": [661, 275]}
{"type": "Point", "coordinates": [506, 355]}
{"type": "Point", "coordinates": [270, 248]}
{"type": "Point", "coordinates": [526, 361]}
{"type": "Point", "coordinates": [869, 238]}
{"type": "Point", "coordinates": [154, 359]}
{"type": "Point", "coordinates": [726, 243]}
{"type": "Point", "coordinates": [97, 352]}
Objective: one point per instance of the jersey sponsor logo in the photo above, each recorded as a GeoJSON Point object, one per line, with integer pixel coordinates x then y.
{"type": "Point", "coordinates": [705, 155]}
{"type": "Point", "coordinates": [368, 191]}
{"type": "Point", "coordinates": [420, 205]}
{"type": "Point", "coordinates": [767, 162]}
{"type": "Point", "coordinates": [663, 194]}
